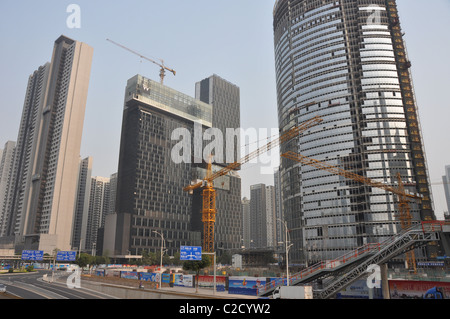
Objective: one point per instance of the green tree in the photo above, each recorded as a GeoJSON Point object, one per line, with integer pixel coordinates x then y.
{"type": "Point", "coordinates": [84, 259]}
{"type": "Point", "coordinates": [197, 266]}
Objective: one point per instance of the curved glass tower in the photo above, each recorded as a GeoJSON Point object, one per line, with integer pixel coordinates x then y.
{"type": "Point", "coordinates": [345, 61]}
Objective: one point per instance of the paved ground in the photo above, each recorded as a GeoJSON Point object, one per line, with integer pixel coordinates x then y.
{"type": "Point", "coordinates": [151, 285]}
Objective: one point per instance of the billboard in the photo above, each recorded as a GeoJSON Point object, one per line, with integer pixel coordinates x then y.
{"type": "Point", "coordinates": [208, 282]}
{"type": "Point", "coordinates": [411, 289]}
{"type": "Point", "coordinates": [181, 280]}
{"type": "Point", "coordinates": [242, 285]}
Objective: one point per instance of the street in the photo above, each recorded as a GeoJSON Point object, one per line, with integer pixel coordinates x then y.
{"type": "Point", "coordinates": [31, 286]}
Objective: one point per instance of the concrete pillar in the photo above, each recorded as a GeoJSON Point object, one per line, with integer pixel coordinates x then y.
{"type": "Point", "coordinates": [385, 281]}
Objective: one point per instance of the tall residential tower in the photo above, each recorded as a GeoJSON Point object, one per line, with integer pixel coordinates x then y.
{"type": "Point", "coordinates": [45, 170]}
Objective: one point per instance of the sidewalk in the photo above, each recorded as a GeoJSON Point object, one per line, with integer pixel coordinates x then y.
{"type": "Point", "coordinates": [205, 292]}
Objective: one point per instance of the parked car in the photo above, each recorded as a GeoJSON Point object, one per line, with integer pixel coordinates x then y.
{"type": "Point", "coordinates": [2, 288]}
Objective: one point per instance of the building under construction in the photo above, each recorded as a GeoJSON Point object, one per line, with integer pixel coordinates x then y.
{"type": "Point", "coordinates": [346, 62]}
{"type": "Point", "coordinates": [151, 203]}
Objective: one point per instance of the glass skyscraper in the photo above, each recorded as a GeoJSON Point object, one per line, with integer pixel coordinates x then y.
{"type": "Point", "coordinates": [150, 196]}
{"type": "Point", "coordinates": [346, 62]}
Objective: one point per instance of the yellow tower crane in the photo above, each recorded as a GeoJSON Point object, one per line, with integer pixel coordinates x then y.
{"type": "Point", "coordinates": [403, 197]}
{"type": "Point", "coordinates": [209, 193]}
{"type": "Point", "coordinates": [162, 72]}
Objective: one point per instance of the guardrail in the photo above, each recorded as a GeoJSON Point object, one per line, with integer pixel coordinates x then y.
{"type": "Point", "coordinates": [434, 225]}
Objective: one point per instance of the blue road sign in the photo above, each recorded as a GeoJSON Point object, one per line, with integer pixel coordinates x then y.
{"type": "Point", "coordinates": [191, 253]}
{"type": "Point", "coordinates": [66, 255]}
{"type": "Point", "coordinates": [32, 255]}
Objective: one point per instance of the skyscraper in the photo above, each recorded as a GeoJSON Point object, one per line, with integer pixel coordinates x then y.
{"type": "Point", "coordinates": [45, 170]}
{"type": "Point", "coordinates": [99, 202]}
{"type": "Point", "coordinates": [6, 162]}
{"type": "Point", "coordinates": [150, 200]}
{"type": "Point", "coordinates": [271, 218]}
{"type": "Point", "coordinates": [262, 216]}
{"type": "Point", "coordinates": [446, 182]}
{"type": "Point", "coordinates": [224, 97]}
{"type": "Point", "coordinates": [82, 204]}
{"type": "Point", "coordinates": [278, 206]}
{"type": "Point", "coordinates": [258, 216]}
{"type": "Point", "coordinates": [246, 223]}
{"type": "Point", "coordinates": [346, 62]}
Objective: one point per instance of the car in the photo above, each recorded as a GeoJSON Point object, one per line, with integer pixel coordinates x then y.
{"type": "Point", "coordinates": [2, 288]}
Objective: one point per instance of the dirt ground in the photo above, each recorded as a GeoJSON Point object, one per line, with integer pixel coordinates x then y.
{"type": "Point", "coordinates": [122, 281]}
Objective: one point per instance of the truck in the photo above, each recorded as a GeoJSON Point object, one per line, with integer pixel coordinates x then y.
{"type": "Point", "coordinates": [293, 292]}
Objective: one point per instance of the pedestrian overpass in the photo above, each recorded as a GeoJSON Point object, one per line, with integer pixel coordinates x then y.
{"type": "Point", "coordinates": [339, 273]}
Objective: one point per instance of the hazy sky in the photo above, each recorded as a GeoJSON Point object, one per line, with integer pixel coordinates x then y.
{"type": "Point", "coordinates": [198, 38]}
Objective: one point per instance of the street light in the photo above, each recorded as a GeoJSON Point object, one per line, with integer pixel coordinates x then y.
{"type": "Point", "coordinates": [287, 249]}
{"type": "Point", "coordinates": [160, 267]}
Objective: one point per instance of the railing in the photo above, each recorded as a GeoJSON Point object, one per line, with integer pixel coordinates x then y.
{"type": "Point", "coordinates": [328, 265]}
{"type": "Point", "coordinates": [426, 226]}
{"type": "Point", "coordinates": [434, 225]}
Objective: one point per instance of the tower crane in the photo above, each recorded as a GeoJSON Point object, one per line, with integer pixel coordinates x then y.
{"type": "Point", "coordinates": [162, 72]}
{"type": "Point", "coordinates": [209, 193]}
{"type": "Point", "coordinates": [403, 197]}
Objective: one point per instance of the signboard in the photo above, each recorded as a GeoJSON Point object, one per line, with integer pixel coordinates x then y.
{"type": "Point", "coordinates": [242, 285]}
{"type": "Point", "coordinates": [32, 255]}
{"type": "Point", "coordinates": [66, 256]}
{"type": "Point", "coordinates": [411, 289]}
{"type": "Point", "coordinates": [181, 280]}
{"type": "Point", "coordinates": [191, 253]}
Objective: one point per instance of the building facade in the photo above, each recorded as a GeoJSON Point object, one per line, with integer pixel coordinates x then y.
{"type": "Point", "coordinates": [150, 200]}
{"type": "Point", "coordinates": [99, 208]}
{"type": "Point", "coordinates": [271, 216]}
{"type": "Point", "coordinates": [224, 97]}
{"type": "Point", "coordinates": [6, 163]}
{"type": "Point", "coordinates": [82, 204]}
{"type": "Point", "coordinates": [446, 182]}
{"type": "Point", "coordinates": [346, 62]}
{"type": "Point", "coordinates": [246, 223]}
{"type": "Point", "coordinates": [45, 170]}
{"type": "Point", "coordinates": [262, 216]}
{"type": "Point", "coordinates": [279, 229]}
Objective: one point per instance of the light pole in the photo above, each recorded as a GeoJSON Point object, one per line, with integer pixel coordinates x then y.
{"type": "Point", "coordinates": [287, 249]}
{"type": "Point", "coordinates": [160, 267]}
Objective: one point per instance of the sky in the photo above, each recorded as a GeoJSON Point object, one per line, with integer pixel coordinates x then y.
{"type": "Point", "coordinates": [199, 38]}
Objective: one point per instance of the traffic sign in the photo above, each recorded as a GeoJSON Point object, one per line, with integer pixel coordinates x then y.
{"type": "Point", "coordinates": [32, 255]}
{"type": "Point", "coordinates": [66, 255]}
{"type": "Point", "coordinates": [191, 253]}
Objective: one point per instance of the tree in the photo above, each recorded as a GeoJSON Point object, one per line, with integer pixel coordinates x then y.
{"type": "Point", "coordinates": [197, 266]}
{"type": "Point", "coordinates": [84, 259]}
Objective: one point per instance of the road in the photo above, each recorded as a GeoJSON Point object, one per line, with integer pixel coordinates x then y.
{"type": "Point", "coordinates": [32, 286]}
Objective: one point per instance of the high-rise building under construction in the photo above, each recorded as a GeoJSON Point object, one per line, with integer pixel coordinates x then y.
{"type": "Point", "coordinates": [346, 61]}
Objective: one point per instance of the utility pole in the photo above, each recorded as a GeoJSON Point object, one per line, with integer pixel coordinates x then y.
{"type": "Point", "coordinates": [160, 267]}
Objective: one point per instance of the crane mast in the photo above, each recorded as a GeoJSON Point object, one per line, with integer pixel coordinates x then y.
{"type": "Point", "coordinates": [209, 193]}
